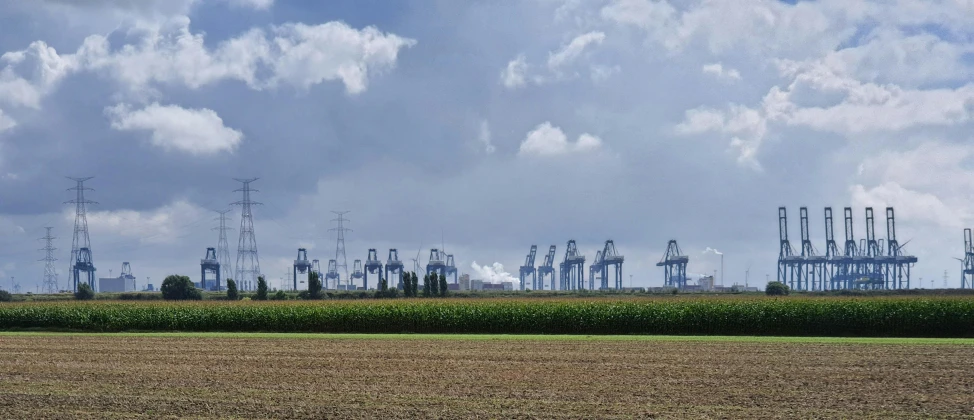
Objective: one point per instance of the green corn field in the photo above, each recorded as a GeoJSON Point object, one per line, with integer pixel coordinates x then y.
{"type": "Point", "coordinates": [795, 316]}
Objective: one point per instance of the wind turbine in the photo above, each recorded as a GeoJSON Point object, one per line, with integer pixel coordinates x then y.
{"type": "Point", "coordinates": [416, 267]}
{"type": "Point", "coordinates": [962, 274]}
{"type": "Point", "coordinates": [747, 274]}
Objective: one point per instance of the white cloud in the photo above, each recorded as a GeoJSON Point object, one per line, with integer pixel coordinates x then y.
{"type": "Point", "coordinates": [717, 70]}
{"type": "Point", "coordinates": [162, 225]}
{"type": "Point", "coordinates": [195, 131]}
{"type": "Point", "coordinates": [890, 55]}
{"type": "Point", "coordinates": [485, 138]}
{"type": "Point", "coordinates": [762, 26]}
{"type": "Point", "coordinates": [909, 204]}
{"type": "Point", "coordinates": [601, 73]}
{"type": "Point", "coordinates": [10, 227]}
{"type": "Point", "coordinates": [493, 274]}
{"type": "Point", "coordinates": [119, 10]}
{"type": "Point", "coordinates": [819, 98]}
{"type": "Point", "coordinates": [167, 52]}
{"type": "Point", "coordinates": [308, 55]}
{"type": "Point", "coordinates": [514, 74]}
{"type": "Point", "coordinates": [866, 107]}
{"type": "Point", "coordinates": [642, 13]}
{"type": "Point", "coordinates": [587, 142]}
{"type": "Point", "coordinates": [932, 182]}
{"type": "Point", "coordinates": [746, 126]}
{"type": "Point", "coordinates": [6, 122]}
{"type": "Point", "coordinates": [251, 4]}
{"type": "Point", "coordinates": [932, 166]}
{"type": "Point", "coordinates": [45, 69]}
{"type": "Point", "coordinates": [547, 140]}
{"type": "Point", "coordinates": [569, 53]}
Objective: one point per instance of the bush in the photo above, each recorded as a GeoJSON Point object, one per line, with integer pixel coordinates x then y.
{"type": "Point", "coordinates": [388, 292]}
{"type": "Point", "coordinates": [5, 296]}
{"type": "Point", "coordinates": [280, 295]}
{"type": "Point", "coordinates": [232, 293]}
{"type": "Point", "coordinates": [84, 292]}
{"type": "Point", "coordinates": [261, 289]}
{"type": "Point", "coordinates": [177, 287]}
{"type": "Point", "coordinates": [776, 288]}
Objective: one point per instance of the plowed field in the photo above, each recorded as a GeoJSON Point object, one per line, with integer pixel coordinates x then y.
{"type": "Point", "coordinates": [79, 376]}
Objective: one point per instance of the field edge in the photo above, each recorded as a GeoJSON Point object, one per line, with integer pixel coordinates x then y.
{"type": "Point", "coordinates": [512, 337]}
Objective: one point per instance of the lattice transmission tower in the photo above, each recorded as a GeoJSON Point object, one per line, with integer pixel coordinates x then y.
{"type": "Point", "coordinates": [50, 274]}
{"type": "Point", "coordinates": [248, 262]}
{"type": "Point", "coordinates": [81, 259]}
{"type": "Point", "coordinates": [340, 245]}
{"type": "Point", "coordinates": [223, 249]}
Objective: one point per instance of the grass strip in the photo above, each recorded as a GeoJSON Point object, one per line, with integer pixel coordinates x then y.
{"type": "Point", "coordinates": [501, 337]}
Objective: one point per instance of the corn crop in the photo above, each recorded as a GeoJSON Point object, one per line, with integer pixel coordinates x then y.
{"type": "Point", "coordinates": [904, 317]}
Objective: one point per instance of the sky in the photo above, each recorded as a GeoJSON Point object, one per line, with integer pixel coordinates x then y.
{"type": "Point", "coordinates": [482, 127]}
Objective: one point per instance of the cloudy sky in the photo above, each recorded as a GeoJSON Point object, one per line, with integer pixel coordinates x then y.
{"type": "Point", "coordinates": [488, 126]}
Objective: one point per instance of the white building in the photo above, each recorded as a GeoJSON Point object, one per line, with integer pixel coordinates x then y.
{"type": "Point", "coordinates": [115, 285]}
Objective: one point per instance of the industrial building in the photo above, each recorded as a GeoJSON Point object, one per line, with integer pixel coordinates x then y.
{"type": "Point", "coordinates": [125, 282]}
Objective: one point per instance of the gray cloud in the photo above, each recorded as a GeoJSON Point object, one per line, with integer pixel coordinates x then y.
{"type": "Point", "coordinates": [397, 132]}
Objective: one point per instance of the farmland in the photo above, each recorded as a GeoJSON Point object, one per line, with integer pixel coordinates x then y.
{"type": "Point", "coordinates": [312, 376]}
{"type": "Point", "coordinates": [913, 316]}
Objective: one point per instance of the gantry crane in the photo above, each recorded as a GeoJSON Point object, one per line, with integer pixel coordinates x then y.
{"type": "Point", "coordinates": [395, 267]}
{"type": "Point", "coordinates": [528, 269]}
{"type": "Point", "coordinates": [611, 258]}
{"type": "Point", "coordinates": [451, 268]}
{"type": "Point", "coordinates": [572, 268]}
{"type": "Point", "coordinates": [208, 264]}
{"type": "Point", "coordinates": [674, 265]}
{"type": "Point", "coordinates": [332, 274]}
{"type": "Point", "coordinates": [301, 265]}
{"type": "Point", "coordinates": [547, 270]}
{"type": "Point", "coordinates": [358, 273]}
{"type": "Point", "coordinates": [373, 266]}
{"type": "Point", "coordinates": [436, 264]}
{"type": "Point", "coordinates": [595, 270]}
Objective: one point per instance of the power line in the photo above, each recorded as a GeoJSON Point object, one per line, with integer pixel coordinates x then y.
{"type": "Point", "coordinates": [81, 259]}
{"type": "Point", "coordinates": [248, 262]}
{"type": "Point", "coordinates": [50, 275]}
{"type": "Point", "coordinates": [340, 258]}
{"type": "Point", "coordinates": [223, 249]}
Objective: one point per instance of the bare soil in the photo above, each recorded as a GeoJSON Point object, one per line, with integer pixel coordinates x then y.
{"type": "Point", "coordinates": [65, 376]}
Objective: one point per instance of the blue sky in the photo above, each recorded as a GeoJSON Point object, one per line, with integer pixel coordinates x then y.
{"type": "Point", "coordinates": [496, 124]}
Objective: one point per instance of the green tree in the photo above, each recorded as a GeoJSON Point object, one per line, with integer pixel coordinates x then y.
{"type": "Point", "coordinates": [5, 296]}
{"type": "Point", "coordinates": [280, 295]}
{"type": "Point", "coordinates": [414, 279]}
{"type": "Point", "coordinates": [407, 284]}
{"type": "Point", "coordinates": [427, 290]}
{"type": "Point", "coordinates": [232, 293]}
{"type": "Point", "coordinates": [443, 286]}
{"type": "Point", "coordinates": [261, 289]}
{"type": "Point", "coordinates": [776, 288]}
{"type": "Point", "coordinates": [177, 287]}
{"type": "Point", "coordinates": [84, 292]}
{"type": "Point", "coordinates": [314, 285]}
